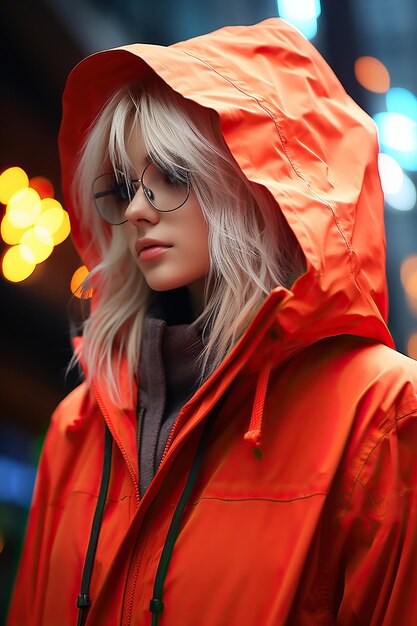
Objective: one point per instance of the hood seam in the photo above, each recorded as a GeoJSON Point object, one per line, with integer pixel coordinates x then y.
{"type": "Point", "coordinates": [283, 139]}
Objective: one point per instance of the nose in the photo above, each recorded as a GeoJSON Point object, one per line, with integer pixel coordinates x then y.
{"type": "Point", "coordinates": [140, 209]}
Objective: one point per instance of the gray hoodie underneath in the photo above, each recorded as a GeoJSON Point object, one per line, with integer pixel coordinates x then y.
{"type": "Point", "coordinates": [168, 377]}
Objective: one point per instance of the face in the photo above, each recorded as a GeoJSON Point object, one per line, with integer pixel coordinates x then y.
{"type": "Point", "coordinates": [171, 248]}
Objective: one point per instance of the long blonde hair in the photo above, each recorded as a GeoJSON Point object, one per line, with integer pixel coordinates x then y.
{"type": "Point", "coordinates": [252, 250]}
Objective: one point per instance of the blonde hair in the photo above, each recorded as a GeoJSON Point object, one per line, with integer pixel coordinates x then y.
{"type": "Point", "coordinates": [252, 250]}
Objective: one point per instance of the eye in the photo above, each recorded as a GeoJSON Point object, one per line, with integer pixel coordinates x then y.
{"type": "Point", "coordinates": [149, 193]}
{"type": "Point", "coordinates": [125, 189]}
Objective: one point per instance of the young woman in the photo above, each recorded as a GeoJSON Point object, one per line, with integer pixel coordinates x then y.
{"type": "Point", "coordinates": [243, 447]}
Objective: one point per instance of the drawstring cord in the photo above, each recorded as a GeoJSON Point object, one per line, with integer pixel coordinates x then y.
{"type": "Point", "coordinates": [156, 605]}
{"type": "Point", "coordinates": [83, 600]}
{"type": "Point", "coordinates": [254, 433]}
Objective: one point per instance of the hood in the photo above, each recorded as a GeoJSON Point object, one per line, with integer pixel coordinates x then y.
{"type": "Point", "coordinates": [291, 128]}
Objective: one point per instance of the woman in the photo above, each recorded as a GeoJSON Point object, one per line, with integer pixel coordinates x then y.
{"type": "Point", "coordinates": [242, 450]}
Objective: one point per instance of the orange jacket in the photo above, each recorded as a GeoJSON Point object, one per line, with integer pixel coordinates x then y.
{"type": "Point", "coordinates": [304, 508]}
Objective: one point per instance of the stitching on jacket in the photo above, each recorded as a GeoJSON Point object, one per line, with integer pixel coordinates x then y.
{"type": "Point", "coordinates": [393, 426]}
{"type": "Point", "coordinates": [57, 503]}
{"type": "Point", "coordinates": [284, 140]}
{"type": "Point", "coordinates": [384, 435]}
{"type": "Point", "coordinates": [370, 498]}
{"type": "Point", "coordinates": [354, 267]}
{"type": "Point", "coordinates": [276, 500]}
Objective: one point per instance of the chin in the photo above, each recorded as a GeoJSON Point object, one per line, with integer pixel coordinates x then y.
{"type": "Point", "coordinates": [164, 284]}
{"type": "Point", "coordinates": [195, 284]}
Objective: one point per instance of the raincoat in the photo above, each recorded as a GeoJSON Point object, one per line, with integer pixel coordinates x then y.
{"type": "Point", "coordinates": [286, 494]}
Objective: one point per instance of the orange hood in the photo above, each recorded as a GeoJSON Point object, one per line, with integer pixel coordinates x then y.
{"type": "Point", "coordinates": [291, 128]}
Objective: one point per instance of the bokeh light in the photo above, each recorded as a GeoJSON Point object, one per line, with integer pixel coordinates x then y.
{"type": "Point", "coordinates": [36, 246]}
{"type": "Point", "coordinates": [412, 305]}
{"type": "Point", "coordinates": [9, 233]}
{"type": "Point", "coordinates": [15, 266]}
{"type": "Point", "coordinates": [412, 346]}
{"type": "Point", "coordinates": [405, 198]}
{"type": "Point", "coordinates": [408, 274]}
{"type": "Point", "coordinates": [302, 14]}
{"type": "Point", "coordinates": [18, 487]}
{"type": "Point", "coordinates": [397, 131]}
{"type": "Point", "coordinates": [43, 186]}
{"type": "Point", "coordinates": [398, 137]}
{"type": "Point", "coordinates": [390, 172]}
{"type": "Point", "coordinates": [402, 101]}
{"type": "Point", "coordinates": [23, 208]}
{"type": "Point", "coordinates": [77, 287]}
{"type": "Point", "coordinates": [34, 222]}
{"type": "Point", "coordinates": [12, 180]}
{"type": "Point", "coordinates": [63, 231]}
{"type": "Point", "coordinates": [372, 74]}
{"type": "Point", "coordinates": [51, 217]}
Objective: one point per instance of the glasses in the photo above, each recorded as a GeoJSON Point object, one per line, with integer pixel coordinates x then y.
{"type": "Point", "coordinates": [165, 190]}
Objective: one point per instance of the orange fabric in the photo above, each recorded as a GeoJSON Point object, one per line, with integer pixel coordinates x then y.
{"type": "Point", "coordinates": [320, 528]}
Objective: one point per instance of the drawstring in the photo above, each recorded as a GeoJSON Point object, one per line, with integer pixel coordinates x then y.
{"type": "Point", "coordinates": [254, 433]}
{"type": "Point", "coordinates": [83, 600]}
{"type": "Point", "coordinates": [156, 605]}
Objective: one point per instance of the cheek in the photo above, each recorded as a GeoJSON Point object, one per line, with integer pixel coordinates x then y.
{"type": "Point", "coordinates": [197, 244]}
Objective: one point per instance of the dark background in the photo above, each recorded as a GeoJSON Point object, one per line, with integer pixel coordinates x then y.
{"type": "Point", "coordinates": [40, 43]}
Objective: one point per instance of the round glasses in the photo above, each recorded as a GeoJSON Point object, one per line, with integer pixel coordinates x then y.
{"type": "Point", "coordinates": [165, 190]}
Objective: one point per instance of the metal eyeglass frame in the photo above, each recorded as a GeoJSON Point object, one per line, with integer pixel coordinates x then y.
{"type": "Point", "coordinates": [145, 190]}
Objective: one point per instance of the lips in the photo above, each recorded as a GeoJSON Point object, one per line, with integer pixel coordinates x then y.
{"type": "Point", "coordinates": [147, 249]}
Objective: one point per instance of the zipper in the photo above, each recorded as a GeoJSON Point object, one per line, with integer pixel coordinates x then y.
{"type": "Point", "coordinates": [142, 538]}
{"type": "Point", "coordinates": [171, 436]}
{"type": "Point", "coordinates": [117, 440]}
{"type": "Point", "coordinates": [141, 413]}
{"type": "Point", "coordinates": [268, 306]}
{"type": "Point", "coordinates": [132, 576]}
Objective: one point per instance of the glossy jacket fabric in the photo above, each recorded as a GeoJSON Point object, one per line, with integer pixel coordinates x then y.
{"type": "Point", "coordinates": [304, 511]}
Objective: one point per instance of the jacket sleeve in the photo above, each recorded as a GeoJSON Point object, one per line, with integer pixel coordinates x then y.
{"type": "Point", "coordinates": [379, 526]}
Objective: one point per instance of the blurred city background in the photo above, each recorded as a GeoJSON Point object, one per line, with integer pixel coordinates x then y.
{"type": "Point", "coordinates": [370, 45]}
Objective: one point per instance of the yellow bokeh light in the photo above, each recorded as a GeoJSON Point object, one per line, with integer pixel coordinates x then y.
{"type": "Point", "coordinates": [12, 180]}
{"type": "Point", "coordinates": [15, 267]}
{"type": "Point", "coordinates": [76, 283]}
{"type": "Point", "coordinates": [63, 231]}
{"type": "Point", "coordinates": [24, 207]}
{"type": "Point", "coordinates": [33, 223]}
{"type": "Point", "coordinates": [9, 233]}
{"type": "Point", "coordinates": [50, 203]}
{"type": "Point", "coordinates": [36, 246]}
{"type": "Point", "coordinates": [50, 219]}
{"type": "Point", "coordinates": [412, 346]}
{"type": "Point", "coordinates": [372, 74]}
{"type": "Point", "coordinates": [408, 273]}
